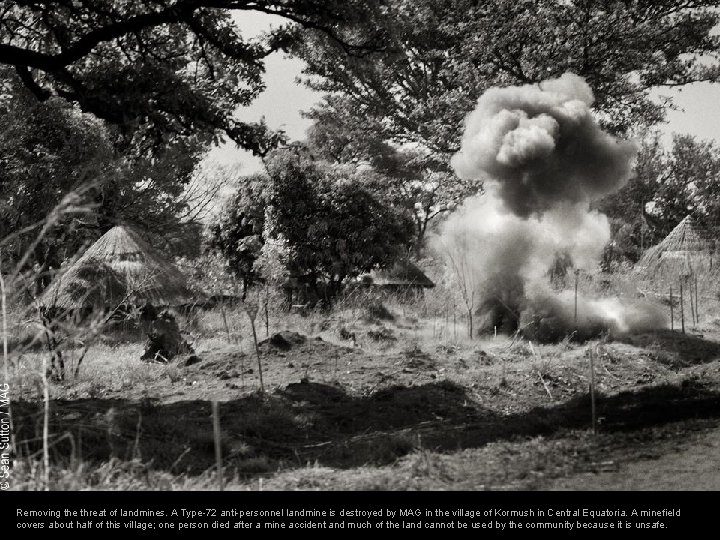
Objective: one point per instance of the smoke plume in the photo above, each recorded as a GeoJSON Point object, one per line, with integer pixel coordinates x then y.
{"type": "Point", "coordinates": [546, 159]}
{"type": "Point", "coordinates": [542, 146]}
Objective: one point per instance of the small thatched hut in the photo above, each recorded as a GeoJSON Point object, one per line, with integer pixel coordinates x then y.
{"type": "Point", "coordinates": [404, 275]}
{"type": "Point", "coordinates": [119, 268]}
{"type": "Point", "coordinates": [686, 251]}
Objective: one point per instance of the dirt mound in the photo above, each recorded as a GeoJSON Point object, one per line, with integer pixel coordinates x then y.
{"type": "Point", "coordinates": [313, 392]}
{"type": "Point", "coordinates": [674, 349]}
{"type": "Point", "coordinates": [285, 357]}
{"type": "Point", "coordinates": [284, 340]}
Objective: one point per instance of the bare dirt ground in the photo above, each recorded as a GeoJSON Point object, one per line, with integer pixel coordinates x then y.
{"type": "Point", "coordinates": [691, 466]}
{"type": "Point", "coordinates": [395, 412]}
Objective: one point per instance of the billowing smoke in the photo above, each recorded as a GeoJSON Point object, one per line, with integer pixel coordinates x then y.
{"type": "Point", "coordinates": [546, 159]}
{"type": "Point", "coordinates": [542, 146]}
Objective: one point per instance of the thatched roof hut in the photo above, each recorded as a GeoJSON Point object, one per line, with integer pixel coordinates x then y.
{"type": "Point", "coordinates": [120, 267]}
{"type": "Point", "coordinates": [686, 251]}
{"type": "Point", "coordinates": [403, 274]}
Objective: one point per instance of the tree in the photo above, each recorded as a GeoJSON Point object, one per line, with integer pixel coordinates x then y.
{"type": "Point", "coordinates": [689, 184]}
{"type": "Point", "coordinates": [163, 68]}
{"type": "Point", "coordinates": [238, 234]}
{"type": "Point", "coordinates": [329, 226]}
{"type": "Point", "coordinates": [668, 185]}
{"type": "Point", "coordinates": [459, 251]}
{"type": "Point", "coordinates": [442, 55]}
{"type": "Point", "coordinates": [50, 149]}
{"type": "Point", "coordinates": [46, 151]}
{"type": "Point", "coordinates": [335, 227]}
{"type": "Point", "coordinates": [413, 179]}
{"type": "Point", "coordinates": [632, 228]}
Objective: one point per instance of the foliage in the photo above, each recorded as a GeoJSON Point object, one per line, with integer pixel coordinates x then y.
{"type": "Point", "coordinates": [49, 149]}
{"type": "Point", "coordinates": [318, 224]}
{"type": "Point", "coordinates": [207, 273]}
{"type": "Point", "coordinates": [689, 184]}
{"type": "Point", "coordinates": [668, 185]}
{"type": "Point", "coordinates": [161, 70]}
{"type": "Point", "coordinates": [413, 179]}
{"type": "Point", "coordinates": [238, 234]}
{"type": "Point", "coordinates": [336, 227]}
{"type": "Point", "coordinates": [441, 56]}
{"type": "Point", "coordinates": [46, 151]}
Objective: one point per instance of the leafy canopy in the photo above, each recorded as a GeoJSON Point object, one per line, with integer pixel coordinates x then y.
{"type": "Point", "coordinates": [441, 55]}
{"type": "Point", "coordinates": [50, 149]}
{"type": "Point", "coordinates": [668, 185]}
{"type": "Point", "coordinates": [333, 227]}
{"type": "Point", "coordinates": [162, 68]}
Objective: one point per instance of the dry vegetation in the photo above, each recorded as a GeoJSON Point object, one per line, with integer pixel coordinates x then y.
{"type": "Point", "coordinates": [373, 395]}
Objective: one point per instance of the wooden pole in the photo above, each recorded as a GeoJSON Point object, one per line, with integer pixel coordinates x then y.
{"type": "Point", "coordinates": [218, 449]}
{"type": "Point", "coordinates": [697, 308]}
{"type": "Point", "coordinates": [682, 308]}
{"type": "Point", "coordinates": [672, 315]}
{"type": "Point", "coordinates": [224, 318]}
{"type": "Point", "coordinates": [577, 273]}
{"type": "Point", "coordinates": [592, 391]}
{"type": "Point", "coordinates": [257, 353]}
{"type": "Point", "coordinates": [692, 303]}
{"type": "Point", "coordinates": [267, 309]}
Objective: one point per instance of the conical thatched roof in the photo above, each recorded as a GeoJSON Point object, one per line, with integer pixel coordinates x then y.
{"type": "Point", "coordinates": [403, 273]}
{"type": "Point", "coordinates": [684, 252]}
{"type": "Point", "coordinates": [119, 266]}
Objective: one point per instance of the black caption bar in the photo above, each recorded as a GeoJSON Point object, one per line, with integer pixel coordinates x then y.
{"type": "Point", "coordinates": [455, 512]}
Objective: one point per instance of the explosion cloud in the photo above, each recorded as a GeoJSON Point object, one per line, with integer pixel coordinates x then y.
{"type": "Point", "coordinates": [542, 146]}
{"type": "Point", "coordinates": [545, 159]}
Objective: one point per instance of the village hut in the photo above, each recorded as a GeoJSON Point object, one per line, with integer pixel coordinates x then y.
{"type": "Point", "coordinates": [686, 252]}
{"type": "Point", "coordinates": [402, 277]}
{"type": "Point", "coordinates": [119, 268]}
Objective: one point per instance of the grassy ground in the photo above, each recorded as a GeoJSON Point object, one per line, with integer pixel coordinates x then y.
{"type": "Point", "coordinates": [356, 400]}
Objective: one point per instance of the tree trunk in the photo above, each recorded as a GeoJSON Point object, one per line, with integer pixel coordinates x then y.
{"type": "Point", "coordinates": [470, 323]}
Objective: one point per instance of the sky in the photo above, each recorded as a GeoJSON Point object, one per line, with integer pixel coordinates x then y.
{"type": "Point", "coordinates": [697, 113]}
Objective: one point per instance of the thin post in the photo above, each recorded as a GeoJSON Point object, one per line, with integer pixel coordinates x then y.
{"type": "Point", "coordinates": [697, 307]}
{"type": "Point", "coordinates": [267, 309]}
{"type": "Point", "coordinates": [252, 312]}
{"type": "Point", "coordinates": [224, 318]}
{"type": "Point", "coordinates": [257, 353]}
{"type": "Point", "coordinates": [692, 303]}
{"type": "Point", "coordinates": [592, 390]}
{"type": "Point", "coordinates": [672, 315]}
{"type": "Point", "coordinates": [218, 449]}
{"type": "Point", "coordinates": [447, 321]}
{"type": "Point", "coordinates": [577, 273]}
{"type": "Point", "coordinates": [682, 308]}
